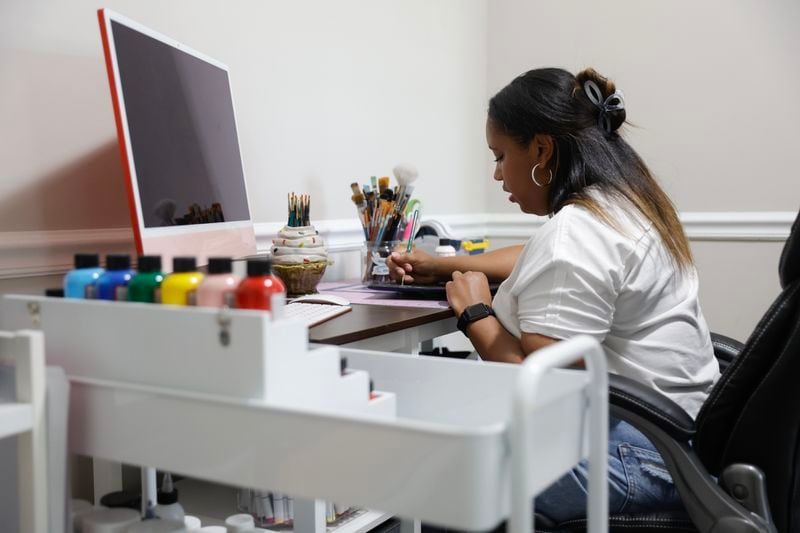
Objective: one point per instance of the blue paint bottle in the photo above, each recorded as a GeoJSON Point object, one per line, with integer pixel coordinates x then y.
{"type": "Point", "coordinates": [117, 275]}
{"type": "Point", "coordinates": [87, 271]}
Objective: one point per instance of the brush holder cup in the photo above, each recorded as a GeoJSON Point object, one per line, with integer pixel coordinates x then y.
{"type": "Point", "coordinates": [373, 260]}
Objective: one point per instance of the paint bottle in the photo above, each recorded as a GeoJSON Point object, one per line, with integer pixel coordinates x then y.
{"type": "Point", "coordinates": [108, 520]}
{"type": "Point", "coordinates": [168, 507]}
{"type": "Point", "coordinates": [157, 526]}
{"type": "Point", "coordinates": [240, 522]}
{"type": "Point", "coordinates": [184, 280]}
{"type": "Point", "coordinates": [78, 508]}
{"type": "Point", "coordinates": [445, 249]}
{"type": "Point", "coordinates": [261, 289]}
{"type": "Point", "coordinates": [219, 286]}
{"type": "Point", "coordinates": [192, 523]}
{"type": "Point", "coordinates": [142, 287]}
{"type": "Point", "coordinates": [86, 272]}
{"type": "Point", "coordinates": [116, 277]}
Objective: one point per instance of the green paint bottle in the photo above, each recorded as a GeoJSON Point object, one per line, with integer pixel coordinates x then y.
{"type": "Point", "coordinates": [144, 285]}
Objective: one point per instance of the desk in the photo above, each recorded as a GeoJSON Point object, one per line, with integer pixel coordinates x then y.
{"type": "Point", "coordinates": [384, 328]}
{"type": "Point", "coordinates": [383, 321]}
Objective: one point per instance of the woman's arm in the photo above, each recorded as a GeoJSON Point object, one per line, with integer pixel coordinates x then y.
{"type": "Point", "coordinates": [491, 340]}
{"type": "Point", "coordinates": [494, 343]}
{"type": "Point", "coordinates": [420, 267]}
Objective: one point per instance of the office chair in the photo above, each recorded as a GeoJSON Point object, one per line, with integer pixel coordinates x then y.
{"type": "Point", "coordinates": [737, 467]}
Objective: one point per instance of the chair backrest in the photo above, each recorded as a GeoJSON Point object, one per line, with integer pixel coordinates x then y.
{"type": "Point", "coordinates": [753, 413]}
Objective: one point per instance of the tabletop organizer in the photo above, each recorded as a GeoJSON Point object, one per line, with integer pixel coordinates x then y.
{"type": "Point", "coordinates": [235, 398]}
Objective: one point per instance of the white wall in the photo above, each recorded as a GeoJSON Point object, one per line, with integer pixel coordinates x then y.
{"type": "Point", "coordinates": [325, 93]}
{"type": "Point", "coordinates": [712, 90]}
{"type": "Point", "coordinates": [711, 87]}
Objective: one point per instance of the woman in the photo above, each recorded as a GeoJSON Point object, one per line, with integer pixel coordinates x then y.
{"type": "Point", "coordinates": [612, 262]}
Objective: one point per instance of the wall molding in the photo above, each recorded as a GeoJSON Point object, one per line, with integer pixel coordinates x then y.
{"type": "Point", "coordinates": [734, 226]}
{"type": "Point", "coordinates": [42, 253]}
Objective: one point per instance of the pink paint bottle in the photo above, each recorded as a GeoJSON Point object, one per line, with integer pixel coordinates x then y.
{"type": "Point", "coordinates": [219, 285]}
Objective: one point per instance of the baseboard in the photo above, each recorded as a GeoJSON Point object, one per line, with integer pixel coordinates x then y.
{"type": "Point", "coordinates": [40, 253]}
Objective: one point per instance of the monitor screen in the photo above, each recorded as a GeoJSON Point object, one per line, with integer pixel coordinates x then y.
{"type": "Point", "coordinates": [182, 131]}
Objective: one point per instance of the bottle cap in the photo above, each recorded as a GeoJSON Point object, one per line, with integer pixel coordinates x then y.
{"type": "Point", "coordinates": [220, 265]}
{"type": "Point", "coordinates": [444, 242]}
{"type": "Point", "coordinates": [184, 264]}
{"type": "Point", "coordinates": [121, 498]}
{"type": "Point", "coordinates": [167, 498]}
{"type": "Point", "coordinates": [118, 262]}
{"type": "Point", "coordinates": [149, 263]}
{"type": "Point", "coordinates": [87, 260]}
{"type": "Point", "coordinates": [168, 493]}
{"type": "Point", "coordinates": [259, 267]}
{"type": "Point", "coordinates": [54, 293]}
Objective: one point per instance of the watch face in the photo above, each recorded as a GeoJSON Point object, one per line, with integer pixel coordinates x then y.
{"type": "Point", "coordinates": [477, 310]}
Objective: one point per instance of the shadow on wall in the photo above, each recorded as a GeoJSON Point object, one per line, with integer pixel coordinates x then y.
{"type": "Point", "coordinates": [87, 193]}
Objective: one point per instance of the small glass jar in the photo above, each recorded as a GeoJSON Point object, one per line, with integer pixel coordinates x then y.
{"type": "Point", "coordinates": [373, 260]}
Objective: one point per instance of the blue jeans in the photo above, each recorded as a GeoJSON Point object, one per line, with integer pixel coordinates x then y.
{"type": "Point", "coordinates": [638, 480]}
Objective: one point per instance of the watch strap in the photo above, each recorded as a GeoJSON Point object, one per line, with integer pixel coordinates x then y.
{"type": "Point", "coordinates": [473, 313]}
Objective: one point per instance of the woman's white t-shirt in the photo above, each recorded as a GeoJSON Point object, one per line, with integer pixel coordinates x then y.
{"type": "Point", "coordinates": [579, 275]}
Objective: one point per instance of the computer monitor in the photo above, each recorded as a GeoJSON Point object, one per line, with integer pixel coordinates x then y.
{"type": "Point", "coordinates": [180, 150]}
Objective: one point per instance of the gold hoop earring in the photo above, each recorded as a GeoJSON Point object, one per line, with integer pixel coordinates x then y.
{"type": "Point", "coordinates": [533, 177]}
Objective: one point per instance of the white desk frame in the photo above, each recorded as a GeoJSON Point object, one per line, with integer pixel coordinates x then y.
{"type": "Point", "coordinates": [409, 340]}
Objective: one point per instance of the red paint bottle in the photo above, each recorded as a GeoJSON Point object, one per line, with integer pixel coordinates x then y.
{"type": "Point", "coordinates": [261, 289]}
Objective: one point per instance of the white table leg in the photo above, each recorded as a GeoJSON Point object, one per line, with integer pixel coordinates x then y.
{"type": "Point", "coordinates": [410, 526]}
{"type": "Point", "coordinates": [309, 516]}
{"type": "Point", "coordinates": [149, 489]}
{"type": "Point", "coordinates": [411, 341]}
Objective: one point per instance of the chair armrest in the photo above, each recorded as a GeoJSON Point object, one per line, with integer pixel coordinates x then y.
{"type": "Point", "coordinates": [652, 406]}
{"type": "Point", "coordinates": [726, 349]}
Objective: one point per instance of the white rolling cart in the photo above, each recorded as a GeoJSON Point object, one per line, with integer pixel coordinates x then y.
{"type": "Point", "coordinates": [234, 398]}
{"type": "Point", "coordinates": [26, 420]}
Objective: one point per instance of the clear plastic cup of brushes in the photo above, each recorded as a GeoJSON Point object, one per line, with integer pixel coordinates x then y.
{"type": "Point", "coordinates": [373, 260]}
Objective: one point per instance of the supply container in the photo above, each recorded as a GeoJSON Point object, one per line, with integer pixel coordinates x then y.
{"type": "Point", "coordinates": [261, 289]}
{"type": "Point", "coordinates": [373, 260]}
{"type": "Point", "coordinates": [180, 286]}
{"type": "Point", "coordinates": [219, 285]}
{"type": "Point", "coordinates": [145, 285]}
{"type": "Point", "coordinates": [113, 283]}
{"type": "Point", "coordinates": [86, 273]}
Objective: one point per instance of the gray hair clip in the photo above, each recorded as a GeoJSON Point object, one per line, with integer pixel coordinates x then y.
{"type": "Point", "coordinates": [614, 102]}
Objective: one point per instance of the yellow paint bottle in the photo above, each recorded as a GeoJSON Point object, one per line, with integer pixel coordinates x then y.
{"type": "Point", "coordinates": [176, 287]}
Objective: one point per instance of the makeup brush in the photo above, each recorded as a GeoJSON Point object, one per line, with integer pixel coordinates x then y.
{"type": "Point", "coordinates": [405, 175]}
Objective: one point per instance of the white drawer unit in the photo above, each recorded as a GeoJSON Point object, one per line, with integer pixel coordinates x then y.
{"type": "Point", "coordinates": [464, 444]}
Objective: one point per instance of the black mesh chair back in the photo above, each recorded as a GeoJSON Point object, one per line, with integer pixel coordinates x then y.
{"type": "Point", "coordinates": [753, 413]}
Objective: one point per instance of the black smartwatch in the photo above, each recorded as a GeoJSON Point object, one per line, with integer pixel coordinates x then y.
{"type": "Point", "coordinates": [473, 313]}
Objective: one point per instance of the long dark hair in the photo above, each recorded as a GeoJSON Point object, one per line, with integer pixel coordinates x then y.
{"type": "Point", "coordinates": [588, 149]}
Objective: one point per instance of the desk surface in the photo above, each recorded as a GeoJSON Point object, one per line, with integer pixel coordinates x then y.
{"type": "Point", "coordinates": [366, 321]}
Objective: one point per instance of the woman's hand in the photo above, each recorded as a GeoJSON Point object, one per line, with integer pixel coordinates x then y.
{"type": "Point", "coordinates": [416, 267]}
{"type": "Point", "coordinates": [468, 289]}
